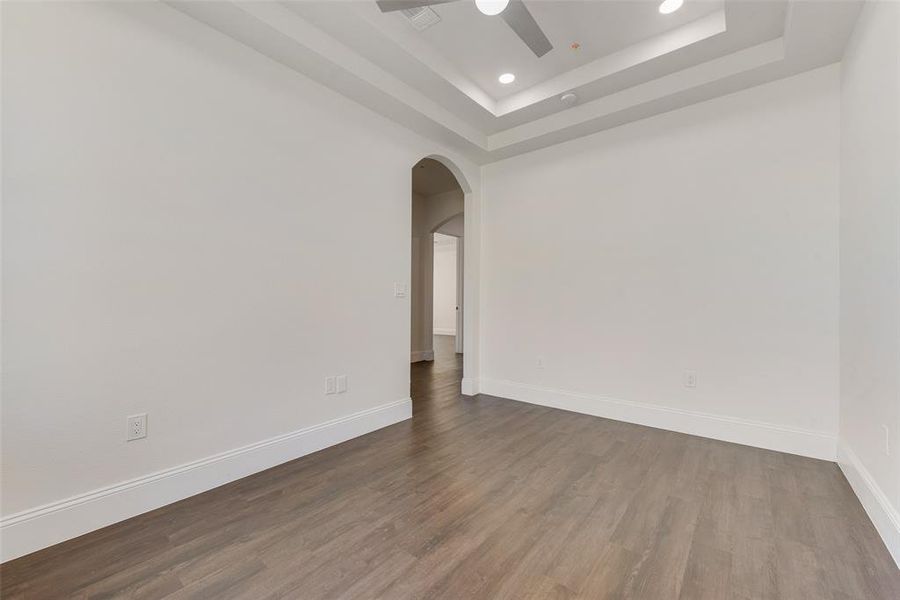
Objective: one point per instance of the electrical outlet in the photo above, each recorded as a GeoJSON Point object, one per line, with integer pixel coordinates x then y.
{"type": "Point", "coordinates": [539, 363]}
{"type": "Point", "coordinates": [136, 427]}
{"type": "Point", "coordinates": [887, 440]}
{"type": "Point", "coordinates": [330, 385]}
{"type": "Point", "coordinates": [690, 379]}
{"type": "Point", "coordinates": [341, 384]}
{"type": "Point", "coordinates": [400, 290]}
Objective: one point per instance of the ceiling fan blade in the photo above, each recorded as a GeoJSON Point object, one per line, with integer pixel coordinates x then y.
{"type": "Point", "coordinates": [520, 20]}
{"type": "Point", "coordinates": [394, 5]}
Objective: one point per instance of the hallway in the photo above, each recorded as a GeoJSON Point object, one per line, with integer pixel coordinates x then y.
{"type": "Point", "coordinates": [436, 383]}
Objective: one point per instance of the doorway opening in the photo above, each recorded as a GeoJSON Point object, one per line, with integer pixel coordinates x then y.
{"type": "Point", "coordinates": [437, 276]}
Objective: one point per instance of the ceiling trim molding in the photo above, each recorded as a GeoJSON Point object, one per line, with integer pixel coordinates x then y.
{"type": "Point", "coordinates": [629, 57]}
{"type": "Point", "coordinates": [814, 35]}
{"type": "Point", "coordinates": [668, 85]}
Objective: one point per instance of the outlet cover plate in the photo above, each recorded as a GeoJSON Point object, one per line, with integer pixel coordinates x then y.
{"type": "Point", "coordinates": [136, 427]}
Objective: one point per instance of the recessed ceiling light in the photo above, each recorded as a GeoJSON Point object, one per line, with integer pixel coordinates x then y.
{"type": "Point", "coordinates": [506, 78]}
{"type": "Point", "coordinates": [491, 7]}
{"type": "Point", "coordinates": [670, 6]}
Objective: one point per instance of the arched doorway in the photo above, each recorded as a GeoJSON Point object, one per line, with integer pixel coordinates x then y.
{"type": "Point", "coordinates": [437, 324]}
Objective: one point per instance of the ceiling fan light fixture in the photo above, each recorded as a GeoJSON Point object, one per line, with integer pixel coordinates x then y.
{"type": "Point", "coordinates": [670, 6]}
{"type": "Point", "coordinates": [506, 78]}
{"type": "Point", "coordinates": [491, 7]}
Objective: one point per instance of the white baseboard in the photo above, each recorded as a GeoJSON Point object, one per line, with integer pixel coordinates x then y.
{"type": "Point", "coordinates": [33, 529]}
{"type": "Point", "coordinates": [469, 386]}
{"type": "Point", "coordinates": [440, 331]}
{"type": "Point", "coordinates": [883, 515]}
{"type": "Point", "coordinates": [420, 355]}
{"type": "Point", "coordinates": [792, 440]}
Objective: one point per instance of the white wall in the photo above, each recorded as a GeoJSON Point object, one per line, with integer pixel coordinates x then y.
{"type": "Point", "coordinates": [444, 284]}
{"type": "Point", "coordinates": [456, 228]}
{"type": "Point", "coordinates": [870, 266]}
{"type": "Point", "coordinates": [180, 237]}
{"type": "Point", "coordinates": [703, 239]}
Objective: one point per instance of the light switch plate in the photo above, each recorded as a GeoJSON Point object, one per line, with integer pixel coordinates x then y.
{"type": "Point", "coordinates": [341, 384]}
{"type": "Point", "coordinates": [690, 379]}
{"type": "Point", "coordinates": [330, 385]}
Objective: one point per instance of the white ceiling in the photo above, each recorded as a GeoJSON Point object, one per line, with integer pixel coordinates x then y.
{"type": "Point", "coordinates": [633, 62]}
{"type": "Point", "coordinates": [429, 177]}
{"type": "Point", "coordinates": [444, 240]}
{"type": "Point", "coordinates": [454, 227]}
{"type": "Point", "coordinates": [482, 47]}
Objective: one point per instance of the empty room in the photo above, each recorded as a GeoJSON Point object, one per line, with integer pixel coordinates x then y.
{"type": "Point", "coordinates": [450, 299]}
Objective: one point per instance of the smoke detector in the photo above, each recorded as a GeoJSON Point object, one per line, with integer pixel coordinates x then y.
{"type": "Point", "coordinates": [421, 18]}
{"type": "Point", "coordinates": [569, 98]}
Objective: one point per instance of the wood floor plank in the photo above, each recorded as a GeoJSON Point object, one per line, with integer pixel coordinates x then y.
{"type": "Point", "coordinates": [492, 499]}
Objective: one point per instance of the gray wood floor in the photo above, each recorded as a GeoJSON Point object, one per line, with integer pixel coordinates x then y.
{"type": "Point", "coordinates": [489, 498]}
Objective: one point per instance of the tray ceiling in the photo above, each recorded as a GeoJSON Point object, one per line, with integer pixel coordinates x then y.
{"type": "Point", "coordinates": [630, 62]}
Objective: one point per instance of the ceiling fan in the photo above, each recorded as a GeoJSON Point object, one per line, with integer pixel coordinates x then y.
{"type": "Point", "coordinates": [513, 12]}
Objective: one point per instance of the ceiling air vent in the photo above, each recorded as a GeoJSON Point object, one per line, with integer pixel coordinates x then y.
{"type": "Point", "coordinates": [422, 17]}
